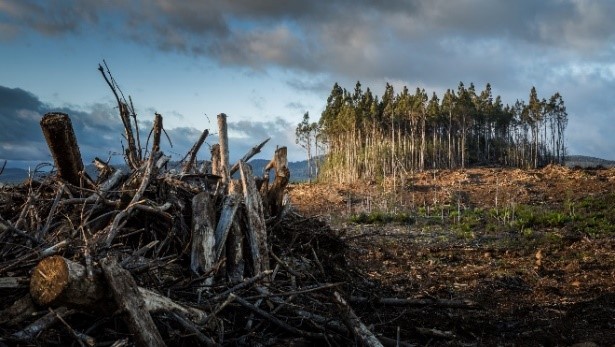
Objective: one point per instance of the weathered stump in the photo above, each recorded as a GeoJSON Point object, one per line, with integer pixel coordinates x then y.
{"type": "Point", "coordinates": [62, 143]}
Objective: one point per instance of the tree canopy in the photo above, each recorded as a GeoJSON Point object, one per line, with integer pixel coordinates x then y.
{"type": "Point", "coordinates": [368, 137]}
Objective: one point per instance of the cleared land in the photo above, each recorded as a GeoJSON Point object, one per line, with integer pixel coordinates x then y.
{"type": "Point", "coordinates": [535, 250]}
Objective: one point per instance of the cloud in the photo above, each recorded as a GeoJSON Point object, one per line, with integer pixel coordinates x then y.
{"type": "Point", "coordinates": [99, 132]}
{"type": "Point", "coordinates": [557, 45]}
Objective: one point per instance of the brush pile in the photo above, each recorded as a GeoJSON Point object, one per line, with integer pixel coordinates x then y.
{"type": "Point", "coordinates": [149, 256]}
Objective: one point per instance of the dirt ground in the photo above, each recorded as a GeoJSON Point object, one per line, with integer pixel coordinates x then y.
{"type": "Point", "coordinates": [531, 253]}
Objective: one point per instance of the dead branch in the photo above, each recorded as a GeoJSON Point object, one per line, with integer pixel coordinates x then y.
{"type": "Point", "coordinates": [253, 151]}
{"type": "Point", "coordinates": [355, 324]}
{"type": "Point", "coordinates": [193, 151]}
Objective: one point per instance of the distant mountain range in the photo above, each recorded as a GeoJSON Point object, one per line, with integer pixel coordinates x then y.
{"type": "Point", "coordinates": [299, 169]}
{"type": "Point", "coordinates": [586, 161]}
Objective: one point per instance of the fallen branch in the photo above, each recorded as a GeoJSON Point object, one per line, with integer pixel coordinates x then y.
{"type": "Point", "coordinates": [355, 324]}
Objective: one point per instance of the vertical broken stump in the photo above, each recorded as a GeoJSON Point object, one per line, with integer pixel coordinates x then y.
{"type": "Point", "coordinates": [62, 143]}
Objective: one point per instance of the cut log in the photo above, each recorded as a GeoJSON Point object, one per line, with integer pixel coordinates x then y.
{"type": "Point", "coordinates": [256, 231]}
{"type": "Point", "coordinates": [131, 304]}
{"type": "Point", "coordinates": [62, 143]}
{"type": "Point", "coordinates": [224, 150]}
{"type": "Point", "coordinates": [58, 281]}
{"type": "Point", "coordinates": [202, 256]}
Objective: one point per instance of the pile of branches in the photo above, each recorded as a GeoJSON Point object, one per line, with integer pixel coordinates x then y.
{"type": "Point", "coordinates": [148, 256]}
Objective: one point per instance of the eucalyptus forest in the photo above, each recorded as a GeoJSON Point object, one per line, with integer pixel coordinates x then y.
{"type": "Point", "coordinates": [371, 137]}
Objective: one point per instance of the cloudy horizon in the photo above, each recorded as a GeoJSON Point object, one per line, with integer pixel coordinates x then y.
{"type": "Point", "coordinates": [266, 63]}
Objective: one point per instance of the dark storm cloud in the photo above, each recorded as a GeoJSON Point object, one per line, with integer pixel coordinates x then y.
{"type": "Point", "coordinates": [97, 129]}
{"type": "Point", "coordinates": [99, 132]}
{"type": "Point", "coordinates": [339, 37]}
{"type": "Point", "coordinates": [432, 44]}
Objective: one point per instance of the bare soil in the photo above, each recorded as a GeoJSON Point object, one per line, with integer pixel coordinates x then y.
{"type": "Point", "coordinates": [546, 280]}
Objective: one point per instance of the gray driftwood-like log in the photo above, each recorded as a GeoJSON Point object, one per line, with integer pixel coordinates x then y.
{"type": "Point", "coordinates": [252, 152]}
{"type": "Point", "coordinates": [235, 263]}
{"type": "Point", "coordinates": [224, 151]}
{"type": "Point", "coordinates": [131, 304]}
{"type": "Point", "coordinates": [361, 332]}
{"type": "Point", "coordinates": [256, 230]}
{"type": "Point", "coordinates": [62, 143]}
{"type": "Point", "coordinates": [227, 216]}
{"type": "Point", "coordinates": [216, 166]}
{"type": "Point", "coordinates": [275, 192]}
{"type": "Point", "coordinates": [57, 281]}
{"type": "Point", "coordinates": [202, 256]}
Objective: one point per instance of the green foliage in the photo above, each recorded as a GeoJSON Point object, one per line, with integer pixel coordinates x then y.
{"type": "Point", "coordinates": [378, 217]}
{"type": "Point", "coordinates": [405, 132]}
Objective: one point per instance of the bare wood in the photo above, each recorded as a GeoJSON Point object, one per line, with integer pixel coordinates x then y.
{"type": "Point", "coordinates": [359, 329]}
{"type": "Point", "coordinates": [256, 231]}
{"type": "Point", "coordinates": [275, 193]}
{"type": "Point", "coordinates": [216, 166]}
{"type": "Point", "coordinates": [202, 256]}
{"type": "Point", "coordinates": [62, 143]}
{"type": "Point", "coordinates": [59, 281]}
{"type": "Point", "coordinates": [224, 149]}
{"type": "Point", "coordinates": [155, 302]}
{"type": "Point", "coordinates": [193, 151]}
{"type": "Point", "coordinates": [131, 304]}
{"type": "Point", "coordinates": [235, 263]}
{"type": "Point", "coordinates": [252, 152]}
{"type": "Point", "coordinates": [227, 216]}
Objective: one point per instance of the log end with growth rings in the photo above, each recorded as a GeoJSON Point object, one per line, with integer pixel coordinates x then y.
{"type": "Point", "coordinates": [49, 280]}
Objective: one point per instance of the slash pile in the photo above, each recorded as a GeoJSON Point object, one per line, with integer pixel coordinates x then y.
{"type": "Point", "coordinates": [148, 256]}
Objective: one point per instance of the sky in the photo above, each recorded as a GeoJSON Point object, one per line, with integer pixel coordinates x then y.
{"type": "Point", "coordinates": [265, 63]}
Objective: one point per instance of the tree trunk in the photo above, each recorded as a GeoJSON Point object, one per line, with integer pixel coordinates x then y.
{"type": "Point", "coordinates": [202, 256]}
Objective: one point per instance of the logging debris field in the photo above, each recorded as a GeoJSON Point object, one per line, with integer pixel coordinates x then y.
{"type": "Point", "coordinates": [533, 249]}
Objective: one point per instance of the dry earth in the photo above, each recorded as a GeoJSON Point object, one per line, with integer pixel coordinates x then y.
{"type": "Point", "coordinates": [533, 249]}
